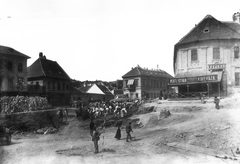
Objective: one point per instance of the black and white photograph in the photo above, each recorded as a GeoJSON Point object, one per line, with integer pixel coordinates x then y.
{"type": "Point", "coordinates": [119, 81]}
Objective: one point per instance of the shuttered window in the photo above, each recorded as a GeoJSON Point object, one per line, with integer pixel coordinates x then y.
{"type": "Point", "coordinates": [237, 78]}
{"type": "Point", "coordinates": [236, 52]}
{"type": "Point", "coordinates": [194, 55]}
{"type": "Point", "coordinates": [216, 53]}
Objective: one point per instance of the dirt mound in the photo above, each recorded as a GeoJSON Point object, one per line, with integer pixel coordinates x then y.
{"type": "Point", "coordinates": [146, 109]}
{"type": "Point", "coordinates": [164, 114]}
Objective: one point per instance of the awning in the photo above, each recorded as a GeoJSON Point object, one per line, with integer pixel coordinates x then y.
{"type": "Point", "coordinates": [130, 82]}
{"type": "Point", "coordinates": [196, 78]}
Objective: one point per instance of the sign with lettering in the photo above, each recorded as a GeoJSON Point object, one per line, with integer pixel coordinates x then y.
{"type": "Point", "coordinates": [216, 66]}
{"type": "Point", "coordinates": [196, 79]}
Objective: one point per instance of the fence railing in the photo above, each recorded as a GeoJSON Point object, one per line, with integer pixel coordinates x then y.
{"type": "Point", "coordinates": [187, 95]}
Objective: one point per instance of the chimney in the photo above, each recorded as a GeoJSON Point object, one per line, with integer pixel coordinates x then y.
{"type": "Point", "coordinates": [40, 55]}
{"type": "Point", "coordinates": [236, 17]}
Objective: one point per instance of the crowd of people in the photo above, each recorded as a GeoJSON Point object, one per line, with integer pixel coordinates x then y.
{"type": "Point", "coordinates": [96, 110]}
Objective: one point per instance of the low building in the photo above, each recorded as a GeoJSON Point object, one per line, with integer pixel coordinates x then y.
{"type": "Point", "coordinates": [95, 92]}
{"type": "Point", "coordinates": [206, 60]}
{"type": "Point", "coordinates": [13, 72]}
{"type": "Point", "coordinates": [47, 78]}
{"type": "Point", "coordinates": [141, 83]}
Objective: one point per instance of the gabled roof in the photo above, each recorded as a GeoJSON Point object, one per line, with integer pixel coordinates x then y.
{"type": "Point", "coordinates": [46, 68]}
{"type": "Point", "coordinates": [138, 71]}
{"type": "Point", "coordinates": [105, 90]}
{"type": "Point", "coordinates": [10, 51]}
{"type": "Point", "coordinates": [211, 28]}
{"type": "Point", "coordinates": [84, 89]}
{"type": "Point", "coordinates": [95, 89]}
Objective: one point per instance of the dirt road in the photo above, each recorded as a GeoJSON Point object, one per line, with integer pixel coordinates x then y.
{"type": "Point", "coordinates": [193, 133]}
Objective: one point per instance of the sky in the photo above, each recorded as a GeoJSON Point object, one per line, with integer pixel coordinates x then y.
{"type": "Point", "coordinates": [104, 39]}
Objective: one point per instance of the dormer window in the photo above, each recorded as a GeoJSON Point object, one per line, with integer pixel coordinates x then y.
{"type": "Point", "coordinates": [206, 30]}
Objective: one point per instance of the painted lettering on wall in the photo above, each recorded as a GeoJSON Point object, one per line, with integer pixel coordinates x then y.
{"type": "Point", "coordinates": [216, 66]}
{"type": "Point", "coordinates": [196, 79]}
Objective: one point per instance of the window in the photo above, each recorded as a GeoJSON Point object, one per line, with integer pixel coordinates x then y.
{"type": "Point", "coordinates": [58, 86]}
{"type": "Point", "coordinates": [53, 86]}
{"type": "Point", "coordinates": [10, 82]}
{"type": "Point", "coordinates": [237, 78]}
{"type": "Point", "coordinates": [236, 52]}
{"type": "Point", "coordinates": [136, 95]}
{"type": "Point", "coordinates": [1, 64]}
{"type": "Point", "coordinates": [216, 53]}
{"type": "Point", "coordinates": [48, 85]}
{"type": "Point", "coordinates": [9, 66]}
{"type": "Point", "coordinates": [194, 55]}
{"type": "Point", "coordinates": [136, 82]}
{"type": "Point", "coordinates": [20, 67]}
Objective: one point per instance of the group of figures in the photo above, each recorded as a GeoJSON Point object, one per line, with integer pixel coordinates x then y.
{"type": "Point", "coordinates": [95, 133]}
{"type": "Point", "coordinates": [103, 109]}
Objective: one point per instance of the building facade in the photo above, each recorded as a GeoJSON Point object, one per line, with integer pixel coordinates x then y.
{"type": "Point", "coordinates": [46, 78]}
{"type": "Point", "coordinates": [141, 83]}
{"type": "Point", "coordinates": [13, 72]}
{"type": "Point", "coordinates": [206, 60]}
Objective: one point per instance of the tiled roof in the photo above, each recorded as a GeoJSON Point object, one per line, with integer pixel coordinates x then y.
{"type": "Point", "coordinates": [211, 28]}
{"type": "Point", "coordinates": [47, 68]}
{"type": "Point", "coordinates": [84, 89]}
{"type": "Point", "coordinates": [138, 71]}
{"type": "Point", "coordinates": [10, 51]}
{"type": "Point", "coordinates": [104, 89]}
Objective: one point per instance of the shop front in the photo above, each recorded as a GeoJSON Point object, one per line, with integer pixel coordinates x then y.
{"type": "Point", "coordinates": [191, 85]}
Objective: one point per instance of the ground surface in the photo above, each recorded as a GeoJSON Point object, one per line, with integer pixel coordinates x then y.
{"type": "Point", "coordinates": [193, 133]}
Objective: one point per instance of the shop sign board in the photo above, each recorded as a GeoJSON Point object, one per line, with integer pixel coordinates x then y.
{"type": "Point", "coordinates": [196, 79]}
{"type": "Point", "coordinates": [216, 66]}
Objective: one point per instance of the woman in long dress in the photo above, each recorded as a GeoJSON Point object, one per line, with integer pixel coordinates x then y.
{"type": "Point", "coordinates": [118, 133]}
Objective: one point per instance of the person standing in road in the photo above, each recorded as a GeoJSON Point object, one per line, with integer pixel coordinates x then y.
{"type": "Point", "coordinates": [216, 101]}
{"type": "Point", "coordinates": [91, 126]}
{"type": "Point", "coordinates": [118, 133]}
{"type": "Point", "coordinates": [95, 138]}
{"type": "Point", "coordinates": [128, 131]}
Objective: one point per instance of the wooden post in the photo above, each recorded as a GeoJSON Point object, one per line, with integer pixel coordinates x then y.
{"type": "Point", "coordinates": [188, 90]}
{"type": "Point", "coordinates": [208, 89]}
{"type": "Point", "coordinates": [219, 92]}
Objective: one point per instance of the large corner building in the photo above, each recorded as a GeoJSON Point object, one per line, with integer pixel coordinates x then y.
{"type": "Point", "coordinates": [207, 59]}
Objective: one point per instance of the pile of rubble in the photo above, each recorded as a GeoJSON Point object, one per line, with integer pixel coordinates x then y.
{"type": "Point", "coordinates": [164, 114]}
{"type": "Point", "coordinates": [46, 130]}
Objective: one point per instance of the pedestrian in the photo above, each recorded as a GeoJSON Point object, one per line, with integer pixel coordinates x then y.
{"type": "Point", "coordinates": [91, 126]}
{"type": "Point", "coordinates": [118, 133]}
{"type": "Point", "coordinates": [95, 138]}
{"type": "Point", "coordinates": [216, 101]}
{"type": "Point", "coordinates": [60, 115]}
{"type": "Point", "coordinates": [128, 131]}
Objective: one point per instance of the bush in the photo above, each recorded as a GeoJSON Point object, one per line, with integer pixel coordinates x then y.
{"type": "Point", "coordinates": [15, 104]}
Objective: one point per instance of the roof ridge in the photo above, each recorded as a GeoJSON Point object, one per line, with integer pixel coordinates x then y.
{"type": "Point", "coordinates": [230, 28]}
{"type": "Point", "coordinates": [196, 25]}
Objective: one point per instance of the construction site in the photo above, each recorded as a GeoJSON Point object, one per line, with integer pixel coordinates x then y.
{"type": "Point", "coordinates": [163, 132]}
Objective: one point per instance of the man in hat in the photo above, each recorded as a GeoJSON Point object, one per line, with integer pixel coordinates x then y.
{"type": "Point", "coordinates": [95, 138]}
{"type": "Point", "coordinates": [128, 131]}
